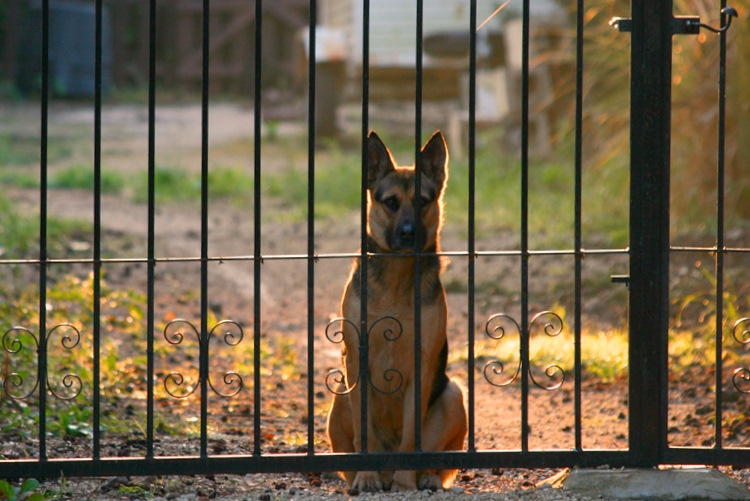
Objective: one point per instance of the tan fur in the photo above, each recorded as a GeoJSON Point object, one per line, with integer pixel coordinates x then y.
{"type": "Point", "coordinates": [390, 293]}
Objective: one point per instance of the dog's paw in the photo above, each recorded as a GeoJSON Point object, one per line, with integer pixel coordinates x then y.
{"type": "Point", "coordinates": [367, 481]}
{"type": "Point", "coordinates": [404, 481]}
{"type": "Point", "coordinates": [430, 481]}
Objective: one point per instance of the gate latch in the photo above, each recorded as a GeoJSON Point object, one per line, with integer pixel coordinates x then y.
{"type": "Point", "coordinates": [621, 279]}
{"type": "Point", "coordinates": [681, 25]}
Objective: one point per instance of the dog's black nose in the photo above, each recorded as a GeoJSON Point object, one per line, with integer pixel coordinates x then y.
{"type": "Point", "coordinates": [404, 237]}
{"type": "Point", "coordinates": [407, 232]}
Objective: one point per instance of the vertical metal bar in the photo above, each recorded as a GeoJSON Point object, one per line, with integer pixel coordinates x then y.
{"type": "Point", "coordinates": [578, 231]}
{"type": "Point", "coordinates": [418, 236]}
{"type": "Point", "coordinates": [97, 227]}
{"type": "Point", "coordinates": [204, 344]}
{"type": "Point", "coordinates": [311, 232]}
{"type": "Point", "coordinates": [43, 209]}
{"type": "Point", "coordinates": [257, 257]}
{"type": "Point", "coordinates": [720, 234]}
{"type": "Point", "coordinates": [650, 108]}
{"type": "Point", "coordinates": [525, 230]}
{"type": "Point", "coordinates": [363, 264]}
{"type": "Point", "coordinates": [151, 251]}
{"type": "Point", "coordinates": [472, 218]}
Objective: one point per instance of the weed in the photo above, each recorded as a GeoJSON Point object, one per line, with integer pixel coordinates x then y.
{"type": "Point", "coordinates": [72, 422]}
{"type": "Point", "coordinates": [693, 336]}
{"type": "Point", "coordinates": [134, 491]}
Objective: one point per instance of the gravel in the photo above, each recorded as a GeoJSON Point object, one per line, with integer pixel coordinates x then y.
{"type": "Point", "coordinates": [472, 485]}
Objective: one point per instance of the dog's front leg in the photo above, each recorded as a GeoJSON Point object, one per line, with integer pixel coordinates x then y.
{"type": "Point", "coordinates": [364, 481]}
{"type": "Point", "coordinates": [406, 480]}
{"type": "Point", "coordinates": [367, 481]}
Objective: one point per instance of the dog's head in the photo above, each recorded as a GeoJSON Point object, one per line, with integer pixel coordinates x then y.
{"type": "Point", "coordinates": [393, 220]}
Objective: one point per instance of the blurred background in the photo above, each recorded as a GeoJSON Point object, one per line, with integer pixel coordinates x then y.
{"type": "Point", "coordinates": [392, 56]}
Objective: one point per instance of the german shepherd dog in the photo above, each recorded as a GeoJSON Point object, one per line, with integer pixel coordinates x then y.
{"type": "Point", "coordinates": [396, 231]}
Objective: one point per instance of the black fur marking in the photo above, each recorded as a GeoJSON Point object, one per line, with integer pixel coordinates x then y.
{"type": "Point", "coordinates": [440, 381]}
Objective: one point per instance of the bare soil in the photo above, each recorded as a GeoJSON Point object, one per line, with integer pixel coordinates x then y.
{"type": "Point", "coordinates": [286, 296]}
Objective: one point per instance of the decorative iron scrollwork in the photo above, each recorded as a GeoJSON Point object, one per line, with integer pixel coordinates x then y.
{"type": "Point", "coordinates": [232, 334]}
{"type": "Point", "coordinates": [496, 329]}
{"type": "Point", "coordinates": [336, 379]}
{"type": "Point", "coordinates": [174, 334]}
{"type": "Point", "coordinates": [228, 331]}
{"type": "Point", "coordinates": [499, 325]}
{"type": "Point", "coordinates": [68, 388]}
{"type": "Point", "coordinates": [71, 382]}
{"type": "Point", "coordinates": [741, 334]}
{"type": "Point", "coordinates": [12, 345]}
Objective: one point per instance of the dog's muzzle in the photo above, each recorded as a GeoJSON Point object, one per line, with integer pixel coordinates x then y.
{"type": "Point", "coordinates": [404, 238]}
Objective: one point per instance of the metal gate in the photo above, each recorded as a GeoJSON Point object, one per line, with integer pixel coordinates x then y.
{"type": "Point", "coordinates": [652, 27]}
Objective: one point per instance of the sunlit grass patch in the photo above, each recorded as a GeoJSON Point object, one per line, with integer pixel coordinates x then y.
{"type": "Point", "coordinates": [604, 355]}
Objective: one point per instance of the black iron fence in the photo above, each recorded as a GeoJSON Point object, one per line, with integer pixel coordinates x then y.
{"type": "Point", "coordinates": [647, 260]}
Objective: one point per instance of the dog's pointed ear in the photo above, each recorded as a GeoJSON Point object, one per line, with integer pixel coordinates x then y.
{"type": "Point", "coordinates": [379, 160]}
{"type": "Point", "coordinates": [434, 158]}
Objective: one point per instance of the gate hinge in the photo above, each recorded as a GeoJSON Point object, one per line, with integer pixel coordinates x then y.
{"type": "Point", "coordinates": [681, 25]}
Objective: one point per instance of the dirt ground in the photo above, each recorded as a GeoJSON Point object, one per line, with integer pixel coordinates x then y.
{"type": "Point", "coordinates": [285, 318]}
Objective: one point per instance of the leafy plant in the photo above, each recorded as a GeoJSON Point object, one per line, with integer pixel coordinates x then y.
{"type": "Point", "coordinates": [693, 336]}
{"type": "Point", "coordinates": [25, 492]}
{"type": "Point", "coordinates": [72, 422]}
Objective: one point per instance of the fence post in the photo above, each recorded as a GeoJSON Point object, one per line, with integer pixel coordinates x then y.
{"type": "Point", "coordinates": [651, 66]}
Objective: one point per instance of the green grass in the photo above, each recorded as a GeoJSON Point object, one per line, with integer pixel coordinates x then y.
{"type": "Point", "coordinates": [174, 185]}
{"type": "Point", "coordinates": [81, 177]}
{"type": "Point", "coordinates": [19, 232]}
{"type": "Point", "coordinates": [231, 184]}
{"type": "Point", "coordinates": [497, 199]}
{"type": "Point", "coordinates": [18, 151]}
{"type": "Point", "coordinates": [170, 185]}
{"type": "Point", "coordinates": [22, 151]}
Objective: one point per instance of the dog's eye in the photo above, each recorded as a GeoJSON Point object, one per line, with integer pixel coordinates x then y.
{"type": "Point", "coordinates": [424, 201]}
{"type": "Point", "coordinates": [391, 203]}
